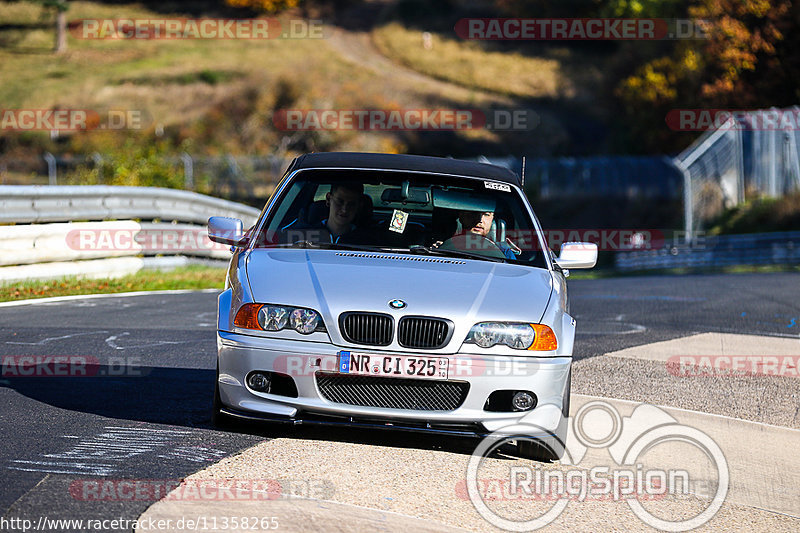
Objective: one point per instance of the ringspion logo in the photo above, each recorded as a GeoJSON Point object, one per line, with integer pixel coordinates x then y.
{"type": "Point", "coordinates": [634, 473]}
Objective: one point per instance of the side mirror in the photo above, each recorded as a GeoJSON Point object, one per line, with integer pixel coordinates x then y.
{"type": "Point", "coordinates": [226, 230]}
{"type": "Point", "coordinates": [577, 255]}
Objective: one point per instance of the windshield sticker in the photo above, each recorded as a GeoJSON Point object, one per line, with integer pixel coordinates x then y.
{"type": "Point", "coordinates": [497, 186]}
{"type": "Point", "coordinates": [399, 220]}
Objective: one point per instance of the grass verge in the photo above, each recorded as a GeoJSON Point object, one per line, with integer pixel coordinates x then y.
{"type": "Point", "coordinates": [191, 277]}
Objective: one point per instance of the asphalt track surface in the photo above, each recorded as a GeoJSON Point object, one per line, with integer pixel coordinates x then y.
{"type": "Point", "coordinates": [153, 423]}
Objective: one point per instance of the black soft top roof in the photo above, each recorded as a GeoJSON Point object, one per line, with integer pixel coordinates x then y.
{"type": "Point", "coordinates": [419, 163]}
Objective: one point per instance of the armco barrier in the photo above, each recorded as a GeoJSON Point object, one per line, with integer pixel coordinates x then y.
{"type": "Point", "coordinates": [38, 239]}
{"type": "Point", "coordinates": [28, 204]}
{"type": "Point", "coordinates": [780, 248]}
{"type": "Point", "coordinates": [73, 241]}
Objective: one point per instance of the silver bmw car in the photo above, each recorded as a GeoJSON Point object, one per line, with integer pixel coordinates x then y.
{"type": "Point", "coordinates": [397, 291]}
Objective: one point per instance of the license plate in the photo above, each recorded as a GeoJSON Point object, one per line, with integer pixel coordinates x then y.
{"type": "Point", "coordinates": [417, 367]}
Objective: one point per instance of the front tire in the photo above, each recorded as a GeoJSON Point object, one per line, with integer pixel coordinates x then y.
{"type": "Point", "coordinates": [552, 448]}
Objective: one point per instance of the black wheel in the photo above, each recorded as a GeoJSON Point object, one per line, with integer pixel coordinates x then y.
{"type": "Point", "coordinates": [552, 448]}
{"type": "Point", "coordinates": [544, 451]}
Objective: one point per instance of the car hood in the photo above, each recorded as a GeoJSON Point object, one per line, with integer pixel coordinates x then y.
{"type": "Point", "coordinates": [465, 291]}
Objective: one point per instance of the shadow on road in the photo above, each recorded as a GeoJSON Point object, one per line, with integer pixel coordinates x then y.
{"type": "Point", "coordinates": [182, 397]}
{"type": "Point", "coordinates": [176, 396]}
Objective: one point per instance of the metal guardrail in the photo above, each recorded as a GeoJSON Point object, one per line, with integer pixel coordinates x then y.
{"type": "Point", "coordinates": [780, 248]}
{"type": "Point", "coordinates": [40, 240]}
{"type": "Point", "coordinates": [27, 244]}
{"type": "Point", "coordinates": [26, 204]}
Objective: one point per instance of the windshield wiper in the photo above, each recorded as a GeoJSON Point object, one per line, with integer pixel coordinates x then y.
{"type": "Point", "coordinates": [420, 249]}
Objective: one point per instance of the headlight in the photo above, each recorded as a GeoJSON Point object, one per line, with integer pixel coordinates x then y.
{"type": "Point", "coordinates": [514, 335]}
{"type": "Point", "coordinates": [272, 317]}
{"type": "Point", "coordinates": [304, 320]}
{"type": "Point", "coordinates": [268, 317]}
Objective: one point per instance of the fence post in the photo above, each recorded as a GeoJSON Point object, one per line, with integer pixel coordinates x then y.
{"type": "Point", "coordinates": [740, 181]}
{"type": "Point", "coordinates": [97, 159]}
{"type": "Point", "coordinates": [51, 167]}
{"type": "Point", "coordinates": [773, 162]}
{"type": "Point", "coordinates": [688, 214]}
{"type": "Point", "coordinates": [188, 170]}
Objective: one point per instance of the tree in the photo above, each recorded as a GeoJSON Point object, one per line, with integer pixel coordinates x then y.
{"type": "Point", "coordinates": [60, 7]}
{"type": "Point", "coordinates": [747, 59]}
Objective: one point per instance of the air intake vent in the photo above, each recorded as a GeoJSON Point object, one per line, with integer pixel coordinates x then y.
{"type": "Point", "coordinates": [411, 258]}
{"type": "Point", "coordinates": [392, 393]}
{"type": "Point", "coordinates": [424, 332]}
{"type": "Point", "coordinates": [373, 329]}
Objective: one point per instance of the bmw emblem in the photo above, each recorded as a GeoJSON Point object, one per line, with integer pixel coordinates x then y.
{"type": "Point", "coordinates": [397, 304]}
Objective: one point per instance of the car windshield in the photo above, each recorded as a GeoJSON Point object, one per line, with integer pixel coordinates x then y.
{"type": "Point", "coordinates": [403, 212]}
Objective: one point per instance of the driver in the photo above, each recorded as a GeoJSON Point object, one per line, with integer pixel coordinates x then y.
{"type": "Point", "coordinates": [476, 222]}
{"type": "Point", "coordinates": [479, 223]}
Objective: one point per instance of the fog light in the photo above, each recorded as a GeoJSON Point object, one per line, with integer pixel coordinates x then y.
{"type": "Point", "coordinates": [523, 401]}
{"type": "Point", "coordinates": [258, 382]}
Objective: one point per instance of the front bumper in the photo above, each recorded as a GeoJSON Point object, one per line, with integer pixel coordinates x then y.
{"type": "Point", "coordinates": [241, 354]}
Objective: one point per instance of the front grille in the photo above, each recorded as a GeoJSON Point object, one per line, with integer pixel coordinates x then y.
{"type": "Point", "coordinates": [392, 393]}
{"type": "Point", "coordinates": [374, 329]}
{"type": "Point", "coordinates": [423, 332]}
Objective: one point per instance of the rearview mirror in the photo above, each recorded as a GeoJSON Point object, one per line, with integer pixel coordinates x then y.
{"type": "Point", "coordinates": [411, 196]}
{"type": "Point", "coordinates": [577, 255]}
{"type": "Point", "coordinates": [225, 230]}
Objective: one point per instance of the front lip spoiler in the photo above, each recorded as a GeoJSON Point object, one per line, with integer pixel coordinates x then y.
{"type": "Point", "coordinates": [353, 422]}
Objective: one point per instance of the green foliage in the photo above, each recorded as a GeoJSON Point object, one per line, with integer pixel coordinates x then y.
{"type": "Point", "coordinates": [135, 163]}
{"type": "Point", "coordinates": [748, 59]}
{"type": "Point", "coordinates": [640, 8]}
{"type": "Point", "coordinates": [208, 76]}
{"type": "Point", "coordinates": [760, 215]}
{"type": "Point", "coordinates": [190, 277]}
{"type": "Point", "coordinates": [58, 5]}
{"type": "Point", "coordinates": [264, 6]}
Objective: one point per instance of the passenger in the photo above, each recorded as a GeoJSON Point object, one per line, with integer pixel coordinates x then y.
{"type": "Point", "coordinates": [343, 204]}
